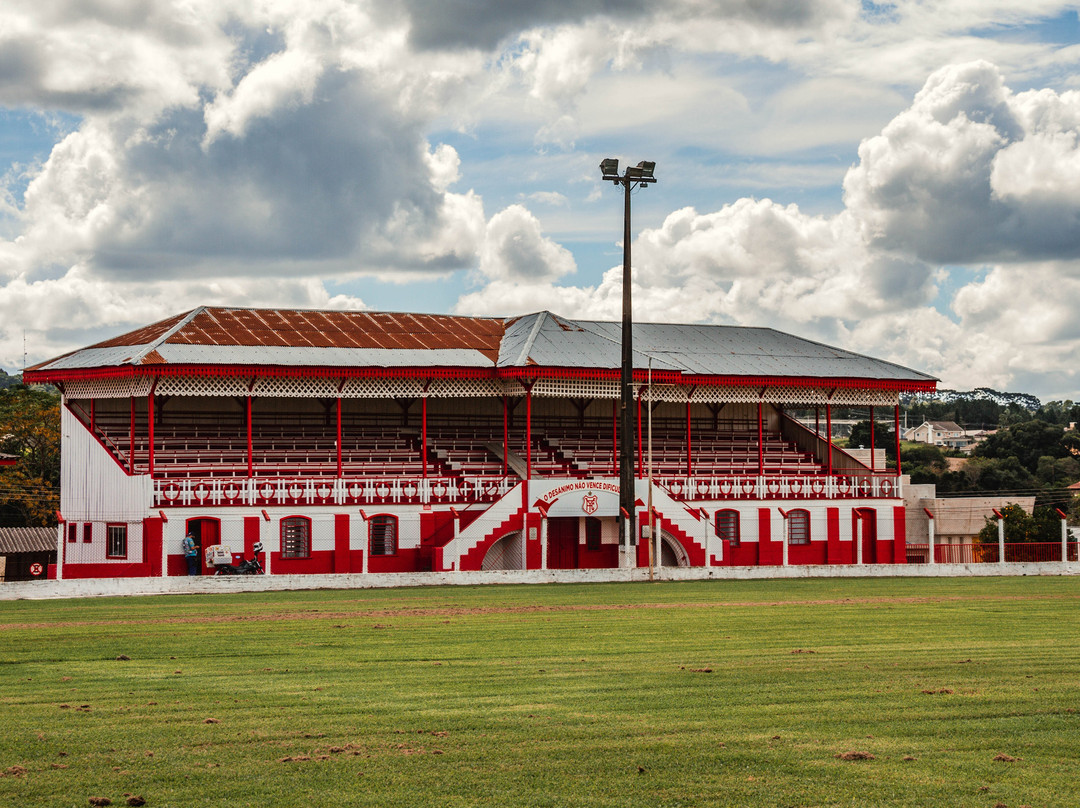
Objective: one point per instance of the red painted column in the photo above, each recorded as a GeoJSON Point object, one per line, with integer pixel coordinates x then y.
{"type": "Point", "coordinates": [770, 553]}
{"type": "Point", "coordinates": [150, 431]}
{"type": "Point", "coordinates": [760, 443]}
{"type": "Point", "coordinates": [872, 439]}
{"type": "Point", "coordinates": [423, 434]}
{"type": "Point", "coordinates": [689, 445]}
{"type": "Point", "coordinates": [897, 429]}
{"type": "Point", "coordinates": [250, 448]}
{"type": "Point", "coordinates": [92, 414]}
{"type": "Point", "coordinates": [828, 437]}
{"type": "Point", "coordinates": [152, 539]}
{"type": "Point", "coordinates": [339, 464]}
{"type": "Point", "coordinates": [341, 543]}
{"type": "Point", "coordinates": [832, 525]}
{"type": "Point", "coordinates": [131, 444]}
{"type": "Point", "coordinates": [899, 535]}
{"type": "Point", "coordinates": [528, 449]}
{"type": "Point", "coordinates": [252, 534]}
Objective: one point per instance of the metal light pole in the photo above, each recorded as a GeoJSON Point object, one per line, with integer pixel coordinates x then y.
{"type": "Point", "coordinates": [639, 175]}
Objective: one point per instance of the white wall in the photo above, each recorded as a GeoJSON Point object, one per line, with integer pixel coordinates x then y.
{"type": "Point", "coordinates": [93, 487]}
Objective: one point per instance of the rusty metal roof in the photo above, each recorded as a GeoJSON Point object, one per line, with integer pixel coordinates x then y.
{"type": "Point", "coordinates": [306, 338]}
{"type": "Point", "coordinates": [27, 539]}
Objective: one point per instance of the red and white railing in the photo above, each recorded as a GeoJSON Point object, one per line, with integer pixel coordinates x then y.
{"type": "Point", "coordinates": [295, 491]}
{"type": "Point", "coordinates": [780, 486]}
{"type": "Point", "coordinates": [980, 553]}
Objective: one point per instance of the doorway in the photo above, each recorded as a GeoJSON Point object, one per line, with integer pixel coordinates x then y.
{"type": "Point", "coordinates": [207, 532]}
{"type": "Point", "coordinates": [562, 540]}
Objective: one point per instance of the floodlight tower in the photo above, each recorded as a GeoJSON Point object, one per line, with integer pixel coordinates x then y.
{"type": "Point", "coordinates": [640, 175]}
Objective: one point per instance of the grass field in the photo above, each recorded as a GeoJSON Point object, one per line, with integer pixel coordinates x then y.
{"type": "Point", "coordinates": [674, 694]}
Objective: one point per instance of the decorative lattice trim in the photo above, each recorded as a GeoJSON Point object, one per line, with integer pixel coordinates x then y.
{"type": "Point", "coordinates": [108, 388]}
{"type": "Point", "coordinates": [576, 388]}
{"type": "Point", "coordinates": [202, 386]}
{"type": "Point", "coordinates": [296, 388]}
{"type": "Point", "coordinates": [464, 388]}
{"type": "Point", "coordinates": [382, 388]}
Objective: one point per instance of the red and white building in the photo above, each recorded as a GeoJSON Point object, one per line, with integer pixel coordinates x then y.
{"type": "Point", "coordinates": [360, 442]}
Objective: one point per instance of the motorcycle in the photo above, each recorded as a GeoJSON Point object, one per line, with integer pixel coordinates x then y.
{"type": "Point", "coordinates": [220, 557]}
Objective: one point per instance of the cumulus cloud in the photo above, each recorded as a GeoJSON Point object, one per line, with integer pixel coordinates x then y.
{"type": "Point", "coordinates": [967, 175]}
{"type": "Point", "coordinates": [973, 172]}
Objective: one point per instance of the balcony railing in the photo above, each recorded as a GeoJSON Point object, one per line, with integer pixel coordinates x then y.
{"type": "Point", "coordinates": [281, 491]}
{"type": "Point", "coordinates": [780, 486]}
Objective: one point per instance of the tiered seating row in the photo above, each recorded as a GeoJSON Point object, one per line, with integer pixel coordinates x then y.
{"type": "Point", "coordinates": [218, 447]}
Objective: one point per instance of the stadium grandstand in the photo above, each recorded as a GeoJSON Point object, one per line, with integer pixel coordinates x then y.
{"type": "Point", "coordinates": [357, 442]}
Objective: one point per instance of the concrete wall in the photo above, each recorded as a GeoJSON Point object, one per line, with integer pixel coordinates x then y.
{"type": "Point", "coordinates": [118, 587]}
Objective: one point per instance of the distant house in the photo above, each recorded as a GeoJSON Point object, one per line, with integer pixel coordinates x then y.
{"type": "Point", "coordinates": [947, 434]}
{"type": "Point", "coordinates": [8, 460]}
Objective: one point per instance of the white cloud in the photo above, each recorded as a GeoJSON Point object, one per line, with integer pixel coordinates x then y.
{"type": "Point", "coordinates": [514, 249]}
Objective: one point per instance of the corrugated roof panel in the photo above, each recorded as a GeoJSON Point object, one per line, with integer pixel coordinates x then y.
{"type": "Point", "coordinates": [323, 357]}
{"type": "Point", "coordinates": [27, 539]}
{"type": "Point", "coordinates": [385, 339]}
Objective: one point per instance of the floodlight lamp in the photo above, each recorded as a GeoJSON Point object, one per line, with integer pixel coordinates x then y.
{"type": "Point", "coordinates": [647, 168]}
{"type": "Point", "coordinates": [609, 168]}
{"type": "Point", "coordinates": [633, 172]}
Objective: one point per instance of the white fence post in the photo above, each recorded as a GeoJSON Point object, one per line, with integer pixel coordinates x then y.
{"type": "Point", "coordinates": [930, 533]}
{"type": "Point", "coordinates": [1001, 540]}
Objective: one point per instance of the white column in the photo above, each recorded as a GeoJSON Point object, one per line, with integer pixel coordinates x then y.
{"type": "Point", "coordinates": [930, 534]}
{"type": "Point", "coordinates": [856, 536]}
{"type": "Point", "coordinates": [543, 543]}
{"type": "Point", "coordinates": [785, 534]}
{"type": "Point", "coordinates": [1064, 541]}
{"type": "Point", "coordinates": [1001, 540]}
{"type": "Point", "coordinates": [61, 538]}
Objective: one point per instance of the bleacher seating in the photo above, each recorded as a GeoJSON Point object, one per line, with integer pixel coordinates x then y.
{"type": "Point", "coordinates": [216, 445]}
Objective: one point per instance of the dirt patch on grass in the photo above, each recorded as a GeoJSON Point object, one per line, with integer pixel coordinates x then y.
{"type": "Point", "coordinates": [462, 611]}
{"type": "Point", "coordinates": [854, 755]}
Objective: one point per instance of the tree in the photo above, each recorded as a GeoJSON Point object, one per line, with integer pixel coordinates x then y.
{"type": "Point", "coordinates": [1027, 442]}
{"type": "Point", "coordinates": [884, 438]}
{"type": "Point", "coordinates": [30, 430]}
{"type": "Point", "coordinates": [1043, 525]}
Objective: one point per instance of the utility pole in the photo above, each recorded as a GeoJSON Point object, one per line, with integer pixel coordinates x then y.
{"type": "Point", "coordinates": [634, 176]}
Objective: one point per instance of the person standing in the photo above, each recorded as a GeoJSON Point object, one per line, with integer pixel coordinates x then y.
{"type": "Point", "coordinates": [191, 554]}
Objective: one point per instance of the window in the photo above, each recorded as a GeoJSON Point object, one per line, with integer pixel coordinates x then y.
{"type": "Point", "coordinates": [88, 532]}
{"type": "Point", "coordinates": [592, 534]}
{"type": "Point", "coordinates": [798, 527]}
{"type": "Point", "coordinates": [727, 526]}
{"type": "Point", "coordinates": [382, 535]}
{"type": "Point", "coordinates": [117, 541]}
{"type": "Point", "coordinates": [296, 537]}
{"type": "Point", "coordinates": [73, 532]}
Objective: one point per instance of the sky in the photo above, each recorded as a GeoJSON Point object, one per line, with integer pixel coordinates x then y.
{"type": "Point", "coordinates": [901, 179]}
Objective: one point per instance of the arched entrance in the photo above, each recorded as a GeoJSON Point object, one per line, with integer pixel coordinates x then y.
{"type": "Point", "coordinates": [672, 553]}
{"type": "Point", "coordinates": [508, 553]}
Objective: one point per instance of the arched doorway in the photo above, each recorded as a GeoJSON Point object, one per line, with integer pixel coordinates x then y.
{"type": "Point", "coordinates": [864, 534]}
{"type": "Point", "coordinates": [672, 553]}
{"type": "Point", "coordinates": [508, 553]}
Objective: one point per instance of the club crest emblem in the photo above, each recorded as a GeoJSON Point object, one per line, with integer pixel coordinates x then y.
{"type": "Point", "coordinates": [589, 503]}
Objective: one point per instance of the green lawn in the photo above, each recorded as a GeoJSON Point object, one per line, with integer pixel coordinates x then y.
{"type": "Point", "coordinates": [700, 693]}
